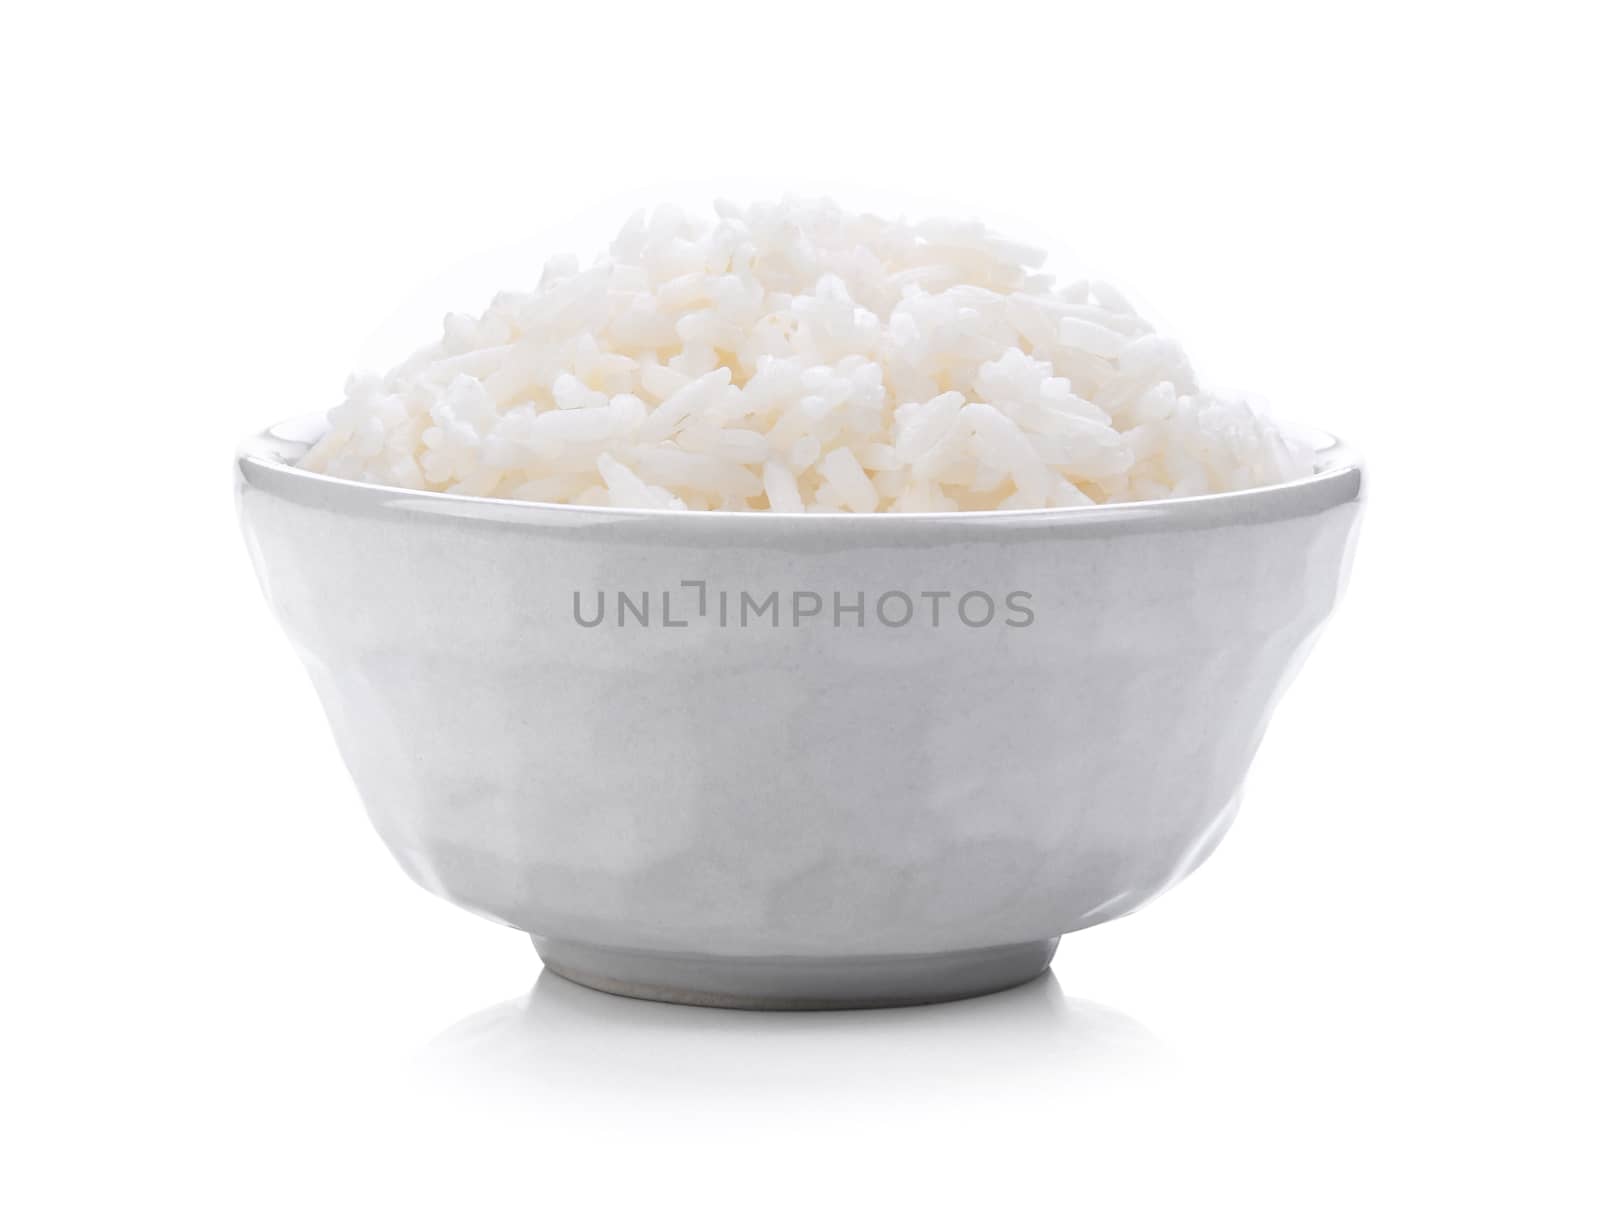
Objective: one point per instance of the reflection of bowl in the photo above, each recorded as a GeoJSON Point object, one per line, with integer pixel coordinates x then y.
{"type": "Point", "coordinates": [757, 760]}
{"type": "Point", "coordinates": [561, 1044]}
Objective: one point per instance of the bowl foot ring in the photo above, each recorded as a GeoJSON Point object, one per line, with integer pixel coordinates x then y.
{"type": "Point", "coordinates": [797, 983]}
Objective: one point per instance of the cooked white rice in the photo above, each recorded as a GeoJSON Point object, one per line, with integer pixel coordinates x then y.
{"type": "Point", "coordinates": [795, 357]}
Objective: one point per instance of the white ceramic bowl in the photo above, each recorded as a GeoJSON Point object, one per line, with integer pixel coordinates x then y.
{"type": "Point", "coordinates": [793, 802]}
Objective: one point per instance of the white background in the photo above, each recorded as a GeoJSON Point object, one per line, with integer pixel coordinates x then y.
{"type": "Point", "coordinates": [221, 990]}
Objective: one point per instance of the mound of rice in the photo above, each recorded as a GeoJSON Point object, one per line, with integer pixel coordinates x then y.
{"type": "Point", "coordinates": [795, 357]}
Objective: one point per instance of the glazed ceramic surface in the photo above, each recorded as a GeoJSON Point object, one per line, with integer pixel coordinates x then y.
{"type": "Point", "coordinates": [765, 760]}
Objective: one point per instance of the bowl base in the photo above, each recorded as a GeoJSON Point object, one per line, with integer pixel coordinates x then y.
{"type": "Point", "coordinates": [797, 983]}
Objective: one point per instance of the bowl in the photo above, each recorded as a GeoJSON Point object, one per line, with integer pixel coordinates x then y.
{"type": "Point", "coordinates": [794, 761]}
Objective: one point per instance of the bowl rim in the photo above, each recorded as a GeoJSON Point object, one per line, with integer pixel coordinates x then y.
{"type": "Point", "coordinates": [264, 461]}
